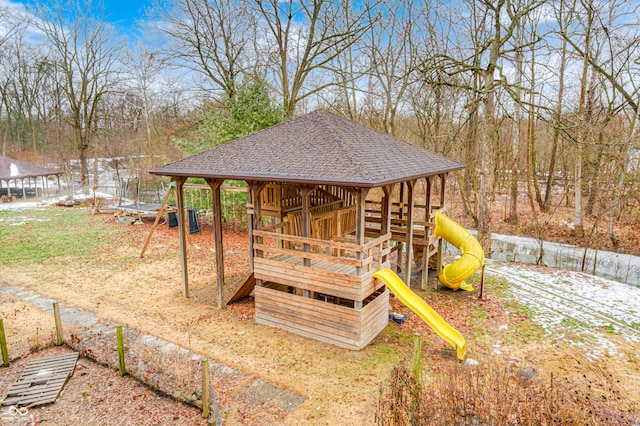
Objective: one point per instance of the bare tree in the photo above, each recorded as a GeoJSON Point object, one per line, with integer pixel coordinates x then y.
{"type": "Point", "coordinates": [302, 39]}
{"type": "Point", "coordinates": [147, 82]}
{"type": "Point", "coordinates": [503, 31]}
{"type": "Point", "coordinates": [562, 17]}
{"type": "Point", "coordinates": [616, 24]}
{"type": "Point", "coordinates": [85, 50]}
{"type": "Point", "coordinates": [214, 37]}
{"type": "Point", "coordinates": [11, 25]}
{"type": "Point", "coordinates": [392, 54]}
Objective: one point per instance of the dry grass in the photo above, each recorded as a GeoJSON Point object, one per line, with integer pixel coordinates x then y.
{"type": "Point", "coordinates": [502, 393]}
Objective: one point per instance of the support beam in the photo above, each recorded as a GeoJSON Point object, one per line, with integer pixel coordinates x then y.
{"type": "Point", "coordinates": [399, 262]}
{"type": "Point", "coordinates": [385, 212]}
{"type": "Point", "coordinates": [305, 193]}
{"type": "Point", "coordinates": [254, 214]}
{"type": "Point", "coordinates": [427, 234]}
{"type": "Point", "coordinates": [443, 182]}
{"type": "Point", "coordinates": [361, 196]}
{"type": "Point", "coordinates": [183, 236]}
{"type": "Point", "coordinates": [409, 232]}
{"type": "Point", "coordinates": [214, 184]}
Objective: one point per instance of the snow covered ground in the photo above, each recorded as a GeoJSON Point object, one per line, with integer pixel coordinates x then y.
{"type": "Point", "coordinates": [580, 308]}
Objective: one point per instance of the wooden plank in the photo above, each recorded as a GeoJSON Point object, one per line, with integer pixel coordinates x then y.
{"type": "Point", "coordinates": [312, 256]}
{"type": "Point", "coordinates": [319, 307]}
{"type": "Point", "coordinates": [27, 386]}
{"type": "Point", "coordinates": [350, 330]}
{"type": "Point", "coordinates": [53, 366]}
{"type": "Point", "coordinates": [305, 272]}
{"type": "Point", "coordinates": [42, 380]}
{"type": "Point", "coordinates": [245, 289]}
{"type": "Point", "coordinates": [296, 311]}
{"type": "Point", "coordinates": [290, 263]}
{"type": "Point", "coordinates": [311, 285]}
{"type": "Point", "coordinates": [314, 331]}
{"type": "Point", "coordinates": [297, 239]}
{"type": "Point", "coordinates": [377, 241]}
{"type": "Point", "coordinates": [306, 332]}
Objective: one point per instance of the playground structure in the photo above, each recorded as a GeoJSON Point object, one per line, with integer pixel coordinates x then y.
{"type": "Point", "coordinates": [329, 202]}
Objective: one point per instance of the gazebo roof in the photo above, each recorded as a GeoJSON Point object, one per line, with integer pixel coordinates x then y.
{"type": "Point", "coordinates": [316, 148]}
{"type": "Point", "coordinates": [15, 169]}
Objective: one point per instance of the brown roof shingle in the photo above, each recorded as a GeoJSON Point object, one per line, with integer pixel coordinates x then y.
{"type": "Point", "coordinates": [315, 148]}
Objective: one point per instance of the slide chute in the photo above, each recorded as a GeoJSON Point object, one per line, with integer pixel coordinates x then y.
{"type": "Point", "coordinates": [472, 259]}
{"type": "Point", "coordinates": [424, 311]}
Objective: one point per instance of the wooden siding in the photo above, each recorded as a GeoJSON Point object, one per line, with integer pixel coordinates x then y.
{"type": "Point", "coordinates": [290, 271]}
{"type": "Point", "coordinates": [339, 325]}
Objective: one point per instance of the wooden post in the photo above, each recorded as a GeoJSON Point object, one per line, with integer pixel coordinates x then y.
{"type": "Point", "coordinates": [120, 338]}
{"type": "Point", "coordinates": [3, 345]}
{"type": "Point", "coordinates": [56, 316]}
{"type": "Point", "coordinates": [443, 181]}
{"type": "Point", "coordinates": [251, 211]}
{"type": "Point", "coordinates": [361, 196]}
{"type": "Point", "coordinates": [417, 370]}
{"type": "Point", "coordinates": [481, 295]}
{"type": "Point", "coordinates": [217, 235]}
{"type": "Point", "coordinates": [254, 212]}
{"type": "Point", "coordinates": [427, 234]}
{"type": "Point", "coordinates": [163, 207]}
{"type": "Point", "coordinates": [385, 213]}
{"type": "Point", "coordinates": [409, 232]}
{"type": "Point", "coordinates": [206, 397]}
{"type": "Point", "coordinates": [183, 236]}
{"type": "Point", "coordinates": [417, 356]}
{"type": "Point", "coordinates": [305, 193]}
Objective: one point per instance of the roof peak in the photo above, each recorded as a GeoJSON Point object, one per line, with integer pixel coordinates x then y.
{"type": "Point", "coordinates": [318, 147]}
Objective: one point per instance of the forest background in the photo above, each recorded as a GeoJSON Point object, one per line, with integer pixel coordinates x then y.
{"type": "Point", "coordinates": [538, 98]}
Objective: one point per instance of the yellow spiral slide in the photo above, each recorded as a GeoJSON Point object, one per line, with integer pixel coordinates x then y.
{"type": "Point", "coordinates": [424, 311]}
{"type": "Point", "coordinates": [472, 258]}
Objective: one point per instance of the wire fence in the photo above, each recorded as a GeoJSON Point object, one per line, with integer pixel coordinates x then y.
{"type": "Point", "coordinates": [165, 367]}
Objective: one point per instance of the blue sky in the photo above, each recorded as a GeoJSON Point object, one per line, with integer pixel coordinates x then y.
{"type": "Point", "coordinates": [121, 13]}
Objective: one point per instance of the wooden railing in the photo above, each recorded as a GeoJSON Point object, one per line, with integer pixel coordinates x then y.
{"type": "Point", "coordinates": [318, 252]}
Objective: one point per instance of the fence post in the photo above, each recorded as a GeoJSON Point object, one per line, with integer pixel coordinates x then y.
{"type": "Point", "coordinates": [417, 355]}
{"type": "Point", "coordinates": [3, 345]}
{"type": "Point", "coordinates": [123, 370]}
{"type": "Point", "coordinates": [417, 361]}
{"type": "Point", "coordinates": [481, 295]}
{"type": "Point", "coordinates": [56, 316]}
{"type": "Point", "coordinates": [206, 399]}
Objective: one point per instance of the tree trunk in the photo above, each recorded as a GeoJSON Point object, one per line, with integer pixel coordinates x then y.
{"type": "Point", "coordinates": [486, 163]}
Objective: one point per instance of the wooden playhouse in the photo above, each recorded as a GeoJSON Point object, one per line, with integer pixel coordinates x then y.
{"type": "Point", "coordinates": [329, 202]}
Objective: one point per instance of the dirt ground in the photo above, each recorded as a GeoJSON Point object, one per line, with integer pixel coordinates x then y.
{"type": "Point", "coordinates": [336, 386]}
{"type": "Point", "coordinates": [97, 395]}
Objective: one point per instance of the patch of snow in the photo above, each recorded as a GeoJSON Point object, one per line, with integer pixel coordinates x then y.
{"type": "Point", "coordinates": [13, 170]}
{"type": "Point", "coordinates": [581, 308]}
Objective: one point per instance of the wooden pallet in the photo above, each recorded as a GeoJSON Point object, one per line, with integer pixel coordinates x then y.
{"type": "Point", "coordinates": [42, 380]}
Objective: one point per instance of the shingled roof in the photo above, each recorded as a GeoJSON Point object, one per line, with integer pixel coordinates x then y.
{"type": "Point", "coordinates": [315, 148]}
{"type": "Point", "coordinates": [15, 169]}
